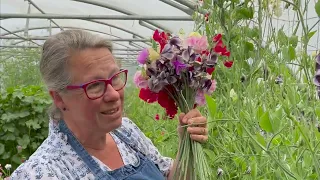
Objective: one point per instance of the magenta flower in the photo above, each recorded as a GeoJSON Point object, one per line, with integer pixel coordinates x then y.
{"type": "Point", "coordinates": [179, 66]}
{"type": "Point", "coordinates": [139, 80]}
{"type": "Point", "coordinates": [143, 56]}
{"type": "Point", "coordinates": [199, 44]}
{"type": "Point", "coordinates": [200, 99]}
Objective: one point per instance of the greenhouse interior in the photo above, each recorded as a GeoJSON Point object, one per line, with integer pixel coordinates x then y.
{"type": "Point", "coordinates": [232, 86]}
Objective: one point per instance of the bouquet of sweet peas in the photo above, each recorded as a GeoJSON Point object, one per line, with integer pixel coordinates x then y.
{"type": "Point", "coordinates": [177, 72]}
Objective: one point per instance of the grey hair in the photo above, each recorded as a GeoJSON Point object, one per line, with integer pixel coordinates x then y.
{"type": "Point", "coordinates": [56, 53]}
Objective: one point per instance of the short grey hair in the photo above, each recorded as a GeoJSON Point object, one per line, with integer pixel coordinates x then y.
{"type": "Point", "coordinates": [56, 53]}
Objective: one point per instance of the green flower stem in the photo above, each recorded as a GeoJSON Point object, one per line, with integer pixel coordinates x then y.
{"type": "Point", "coordinates": [268, 152]}
{"type": "Point", "coordinates": [305, 37]}
{"type": "Point", "coordinates": [314, 157]}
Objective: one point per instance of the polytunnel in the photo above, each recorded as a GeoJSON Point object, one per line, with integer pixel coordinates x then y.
{"type": "Point", "coordinates": [129, 24]}
{"type": "Point", "coordinates": [251, 68]}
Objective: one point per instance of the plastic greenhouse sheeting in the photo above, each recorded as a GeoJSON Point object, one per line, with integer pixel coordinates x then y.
{"type": "Point", "coordinates": [116, 28]}
{"type": "Point", "coordinates": [125, 29]}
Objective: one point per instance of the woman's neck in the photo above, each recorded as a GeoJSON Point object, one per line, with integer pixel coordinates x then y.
{"type": "Point", "coordinates": [89, 138]}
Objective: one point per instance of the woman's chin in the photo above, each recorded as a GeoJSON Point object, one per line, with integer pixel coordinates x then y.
{"type": "Point", "coordinates": [111, 123]}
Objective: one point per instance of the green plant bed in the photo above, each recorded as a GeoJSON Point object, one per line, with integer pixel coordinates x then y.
{"type": "Point", "coordinates": [23, 122]}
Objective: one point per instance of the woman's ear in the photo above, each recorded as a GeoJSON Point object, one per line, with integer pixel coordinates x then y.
{"type": "Point", "coordinates": [57, 99]}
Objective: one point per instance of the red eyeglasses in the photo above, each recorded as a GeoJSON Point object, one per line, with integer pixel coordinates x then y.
{"type": "Point", "coordinates": [96, 89]}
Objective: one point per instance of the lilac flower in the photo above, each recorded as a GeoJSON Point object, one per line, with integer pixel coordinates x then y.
{"type": "Point", "coordinates": [143, 56]}
{"type": "Point", "coordinates": [179, 66]}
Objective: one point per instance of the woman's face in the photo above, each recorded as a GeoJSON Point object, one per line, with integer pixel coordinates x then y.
{"type": "Point", "coordinates": [102, 114]}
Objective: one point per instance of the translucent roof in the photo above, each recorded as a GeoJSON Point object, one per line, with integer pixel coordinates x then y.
{"type": "Point", "coordinates": [127, 22]}
{"type": "Point", "coordinates": [135, 33]}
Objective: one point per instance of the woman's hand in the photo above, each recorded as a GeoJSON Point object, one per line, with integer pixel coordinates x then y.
{"type": "Point", "coordinates": [197, 125]}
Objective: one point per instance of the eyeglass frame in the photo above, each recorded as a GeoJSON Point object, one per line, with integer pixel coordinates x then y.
{"type": "Point", "coordinates": [106, 81]}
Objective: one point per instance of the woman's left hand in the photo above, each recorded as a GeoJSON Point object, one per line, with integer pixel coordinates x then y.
{"type": "Point", "coordinates": [197, 125]}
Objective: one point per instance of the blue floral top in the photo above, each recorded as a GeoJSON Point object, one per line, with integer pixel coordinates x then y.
{"type": "Point", "coordinates": [55, 158]}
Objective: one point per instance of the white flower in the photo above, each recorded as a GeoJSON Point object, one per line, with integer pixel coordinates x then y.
{"type": "Point", "coordinates": [7, 166]}
{"type": "Point", "coordinates": [220, 172]}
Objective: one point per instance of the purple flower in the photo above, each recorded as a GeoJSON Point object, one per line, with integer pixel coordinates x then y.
{"type": "Point", "coordinates": [179, 66]}
{"type": "Point", "coordinates": [143, 56]}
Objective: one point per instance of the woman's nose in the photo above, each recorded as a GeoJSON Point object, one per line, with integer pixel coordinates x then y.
{"type": "Point", "coordinates": [111, 94]}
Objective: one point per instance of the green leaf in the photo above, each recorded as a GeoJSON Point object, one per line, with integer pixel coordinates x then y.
{"type": "Point", "coordinates": [33, 123]}
{"type": "Point", "coordinates": [210, 154]}
{"type": "Point", "coordinates": [261, 140]}
{"type": "Point", "coordinates": [16, 159]}
{"type": "Point", "coordinates": [9, 137]}
{"type": "Point", "coordinates": [239, 130]}
{"type": "Point", "coordinates": [310, 34]}
{"type": "Point", "coordinates": [259, 112]}
{"type": "Point", "coordinates": [245, 13]}
{"type": "Point", "coordinates": [254, 170]}
{"type": "Point", "coordinates": [1, 148]}
{"type": "Point", "coordinates": [282, 37]}
{"type": "Point", "coordinates": [24, 141]}
{"type": "Point", "coordinates": [6, 155]}
{"type": "Point", "coordinates": [293, 40]}
{"type": "Point", "coordinates": [317, 8]}
{"type": "Point", "coordinates": [289, 53]}
{"type": "Point", "coordinates": [265, 122]}
{"type": "Point", "coordinates": [212, 106]}
{"type": "Point", "coordinates": [249, 46]}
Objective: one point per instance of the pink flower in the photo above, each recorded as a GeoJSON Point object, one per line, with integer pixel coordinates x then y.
{"type": "Point", "coordinates": [212, 87]}
{"type": "Point", "coordinates": [200, 99]}
{"type": "Point", "coordinates": [139, 80]}
{"type": "Point", "coordinates": [199, 44]}
{"type": "Point", "coordinates": [143, 56]}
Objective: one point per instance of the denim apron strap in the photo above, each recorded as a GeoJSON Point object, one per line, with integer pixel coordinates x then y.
{"type": "Point", "coordinates": [82, 153]}
{"type": "Point", "coordinates": [131, 143]}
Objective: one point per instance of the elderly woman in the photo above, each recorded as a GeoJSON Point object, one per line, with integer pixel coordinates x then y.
{"type": "Point", "coordinates": [88, 137]}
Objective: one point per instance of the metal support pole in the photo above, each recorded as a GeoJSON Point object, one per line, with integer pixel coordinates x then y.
{"type": "Point", "coordinates": [126, 53]}
{"type": "Point", "coordinates": [114, 49]}
{"type": "Point", "coordinates": [124, 11]}
{"type": "Point", "coordinates": [17, 36]}
{"type": "Point", "coordinates": [26, 29]}
{"type": "Point", "coordinates": [109, 17]}
{"type": "Point", "coordinates": [178, 6]}
{"type": "Point", "coordinates": [37, 7]}
{"type": "Point", "coordinates": [186, 3]}
{"type": "Point", "coordinates": [45, 38]}
{"type": "Point", "coordinates": [65, 27]}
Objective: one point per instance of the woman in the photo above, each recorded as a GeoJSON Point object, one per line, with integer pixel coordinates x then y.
{"type": "Point", "coordinates": [88, 137]}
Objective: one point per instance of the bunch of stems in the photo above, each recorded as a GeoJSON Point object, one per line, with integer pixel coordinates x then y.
{"type": "Point", "coordinates": [191, 161]}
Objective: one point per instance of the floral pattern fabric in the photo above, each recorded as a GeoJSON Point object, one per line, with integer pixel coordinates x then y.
{"type": "Point", "coordinates": [56, 159]}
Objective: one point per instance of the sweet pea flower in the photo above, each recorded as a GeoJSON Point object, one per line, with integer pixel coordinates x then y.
{"type": "Point", "coordinates": [8, 166]}
{"type": "Point", "coordinates": [139, 80]}
{"type": "Point", "coordinates": [153, 55]}
{"type": "Point", "coordinates": [199, 44]}
{"type": "Point", "coordinates": [200, 99]}
{"type": "Point", "coordinates": [143, 56]}
{"type": "Point", "coordinates": [212, 87]}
